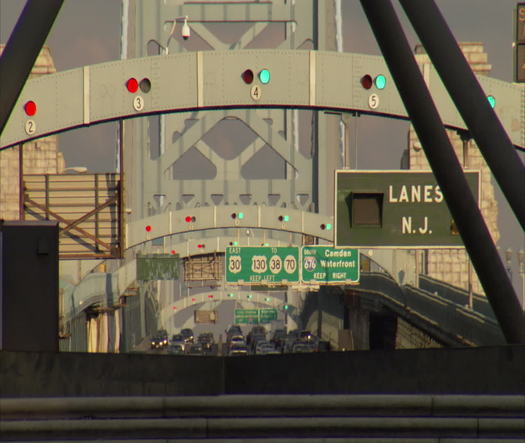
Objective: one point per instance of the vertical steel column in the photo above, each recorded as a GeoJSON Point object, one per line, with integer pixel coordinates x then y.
{"type": "Point", "coordinates": [472, 104]}
{"type": "Point", "coordinates": [22, 49]}
{"type": "Point", "coordinates": [446, 167]}
{"type": "Point", "coordinates": [21, 214]}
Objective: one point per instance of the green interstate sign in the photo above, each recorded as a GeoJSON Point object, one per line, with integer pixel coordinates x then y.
{"type": "Point", "coordinates": [262, 265]}
{"type": "Point", "coordinates": [394, 209]}
{"type": "Point", "coordinates": [326, 264]}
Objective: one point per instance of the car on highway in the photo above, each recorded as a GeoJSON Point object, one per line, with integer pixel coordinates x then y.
{"type": "Point", "coordinates": [257, 331]}
{"type": "Point", "coordinates": [266, 348]}
{"type": "Point", "coordinates": [187, 333]}
{"type": "Point", "coordinates": [157, 342]}
{"type": "Point", "coordinates": [278, 338]}
{"type": "Point", "coordinates": [302, 348]}
{"type": "Point", "coordinates": [160, 339]}
{"type": "Point", "coordinates": [195, 349]}
{"type": "Point", "coordinates": [177, 339]}
{"type": "Point", "coordinates": [176, 349]}
{"type": "Point", "coordinates": [236, 340]}
{"type": "Point", "coordinates": [237, 350]}
{"type": "Point", "coordinates": [206, 340]}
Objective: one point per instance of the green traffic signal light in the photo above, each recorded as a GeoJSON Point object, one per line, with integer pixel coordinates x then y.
{"type": "Point", "coordinates": [285, 307]}
{"type": "Point", "coordinates": [492, 101]}
{"type": "Point", "coordinates": [264, 76]}
{"type": "Point", "coordinates": [380, 81]}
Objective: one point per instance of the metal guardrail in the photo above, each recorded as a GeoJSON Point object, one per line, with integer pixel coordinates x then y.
{"type": "Point", "coordinates": [360, 416]}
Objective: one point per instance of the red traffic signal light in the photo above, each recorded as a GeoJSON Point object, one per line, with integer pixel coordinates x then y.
{"type": "Point", "coordinates": [132, 85]}
{"type": "Point", "coordinates": [30, 108]}
{"type": "Point", "coordinates": [247, 76]}
{"type": "Point", "coordinates": [201, 246]}
{"type": "Point", "coordinates": [190, 218]}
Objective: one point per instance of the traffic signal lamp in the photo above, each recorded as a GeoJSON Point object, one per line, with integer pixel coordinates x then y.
{"type": "Point", "coordinates": [326, 226]}
{"type": "Point", "coordinates": [201, 246]}
{"type": "Point", "coordinates": [237, 215]}
{"type": "Point", "coordinates": [492, 101]}
{"type": "Point", "coordinates": [247, 76]}
{"type": "Point", "coordinates": [132, 85]}
{"type": "Point", "coordinates": [379, 81]}
{"type": "Point", "coordinates": [190, 218]}
{"type": "Point", "coordinates": [286, 307]}
{"type": "Point", "coordinates": [284, 218]}
{"type": "Point", "coordinates": [234, 243]}
{"type": "Point", "coordinates": [264, 76]}
{"type": "Point", "coordinates": [30, 108]}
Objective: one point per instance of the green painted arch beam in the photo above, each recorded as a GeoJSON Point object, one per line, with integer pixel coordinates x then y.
{"type": "Point", "coordinates": [213, 80]}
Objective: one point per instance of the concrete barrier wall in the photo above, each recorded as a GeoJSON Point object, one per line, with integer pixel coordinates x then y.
{"type": "Point", "coordinates": [490, 370]}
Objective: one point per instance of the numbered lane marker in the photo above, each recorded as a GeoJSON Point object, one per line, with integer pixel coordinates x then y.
{"type": "Point", "coordinates": [255, 92]}
{"type": "Point", "coordinates": [373, 101]}
{"type": "Point", "coordinates": [138, 103]}
{"type": "Point", "coordinates": [30, 127]}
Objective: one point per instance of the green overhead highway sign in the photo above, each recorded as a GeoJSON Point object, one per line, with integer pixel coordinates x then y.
{"type": "Point", "coordinates": [246, 316]}
{"type": "Point", "coordinates": [255, 316]}
{"type": "Point", "coordinates": [394, 209]}
{"type": "Point", "coordinates": [326, 265]}
{"type": "Point", "coordinates": [267, 315]}
{"type": "Point", "coordinates": [262, 265]}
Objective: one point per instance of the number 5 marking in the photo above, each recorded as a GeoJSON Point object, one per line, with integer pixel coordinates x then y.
{"type": "Point", "coordinates": [373, 101]}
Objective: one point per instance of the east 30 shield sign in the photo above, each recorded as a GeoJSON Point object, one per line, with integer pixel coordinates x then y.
{"type": "Point", "coordinates": [264, 265]}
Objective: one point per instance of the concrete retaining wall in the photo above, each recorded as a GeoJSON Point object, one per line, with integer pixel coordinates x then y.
{"type": "Point", "coordinates": [490, 370]}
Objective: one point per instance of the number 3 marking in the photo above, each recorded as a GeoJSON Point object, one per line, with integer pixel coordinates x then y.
{"type": "Point", "coordinates": [138, 103]}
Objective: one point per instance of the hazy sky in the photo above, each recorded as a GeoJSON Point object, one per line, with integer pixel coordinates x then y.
{"type": "Point", "coordinates": [88, 32]}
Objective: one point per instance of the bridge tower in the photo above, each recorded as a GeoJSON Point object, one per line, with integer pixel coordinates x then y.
{"type": "Point", "coordinates": [266, 157]}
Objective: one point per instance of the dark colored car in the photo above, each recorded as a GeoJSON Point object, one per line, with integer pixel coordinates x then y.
{"type": "Point", "coordinates": [278, 338]}
{"type": "Point", "coordinates": [206, 340]}
{"type": "Point", "coordinates": [187, 333]}
{"type": "Point", "coordinates": [157, 342]}
{"type": "Point", "coordinates": [195, 349]}
{"type": "Point", "coordinates": [257, 331]}
{"type": "Point", "coordinates": [238, 350]}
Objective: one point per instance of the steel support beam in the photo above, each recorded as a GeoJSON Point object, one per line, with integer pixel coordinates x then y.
{"type": "Point", "coordinates": [469, 98]}
{"type": "Point", "coordinates": [22, 50]}
{"type": "Point", "coordinates": [446, 168]}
